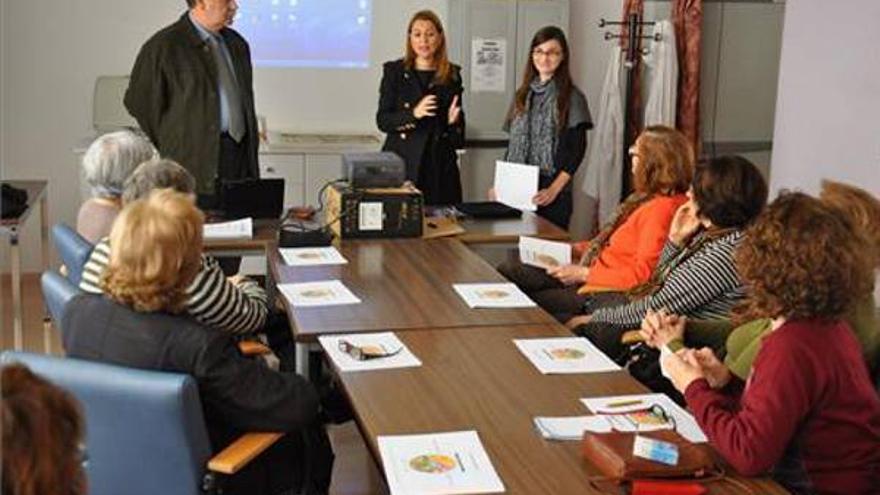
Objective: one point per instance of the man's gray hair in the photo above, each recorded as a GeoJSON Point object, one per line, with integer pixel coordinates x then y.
{"type": "Point", "coordinates": [157, 174]}
{"type": "Point", "coordinates": [111, 158]}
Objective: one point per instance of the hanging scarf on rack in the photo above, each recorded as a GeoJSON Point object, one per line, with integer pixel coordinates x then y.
{"type": "Point", "coordinates": [661, 272]}
{"type": "Point", "coordinates": [533, 133]}
{"type": "Point", "coordinates": [621, 214]}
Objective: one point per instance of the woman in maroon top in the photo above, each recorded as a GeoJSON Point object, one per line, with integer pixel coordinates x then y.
{"type": "Point", "coordinates": [808, 412]}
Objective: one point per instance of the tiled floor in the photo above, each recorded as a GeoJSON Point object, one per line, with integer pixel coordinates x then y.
{"type": "Point", "coordinates": [355, 473]}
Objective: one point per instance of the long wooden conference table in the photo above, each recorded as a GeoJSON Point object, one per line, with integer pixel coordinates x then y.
{"type": "Point", "coordinates": [472, 376]}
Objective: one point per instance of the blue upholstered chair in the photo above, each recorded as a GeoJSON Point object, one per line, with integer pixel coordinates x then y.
{"type": "Point", "coordinates": [57, 292]}
{"type": "Point", "coordinates": [145, 429]}
{"type": "Point", "coordinates": [73, 249]}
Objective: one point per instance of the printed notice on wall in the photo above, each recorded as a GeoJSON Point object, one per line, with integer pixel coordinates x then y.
{"type": "Point", "coordinates": [488, 65]}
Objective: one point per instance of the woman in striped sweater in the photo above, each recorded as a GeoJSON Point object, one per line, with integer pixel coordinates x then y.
{"type": "Point", "coordinates": [696, 275]}
{"type": "Point", "coordinates": [235, 305]}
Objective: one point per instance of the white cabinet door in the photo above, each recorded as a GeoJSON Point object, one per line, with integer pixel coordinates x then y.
{"type": "Point", "coordinates": [321, 169]}
{"type": "Point", "coordinates": [291, 168]}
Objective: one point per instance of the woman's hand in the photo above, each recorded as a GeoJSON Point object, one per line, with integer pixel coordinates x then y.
{"type": "Point", "coordinates": [545, 196]}
{"type": "Point", "coordinates": [426, 107]}
{"type": "Point", "coordinates": [578, 321]}
{"type": "Point", "coordinates": [680, 370]}
{"type": "Point", "coordinates": [491, 194]}
{"type": "Point", "coordinates": [684, 224]}
{"type": "Point", "coordinates": [569, 274]}
{"type": "Point", "coordinates": [660, 328]}
{"type": "Point", "coordinates": [716, 373]}
{"type": "Point", "coordinates": [454, 111]}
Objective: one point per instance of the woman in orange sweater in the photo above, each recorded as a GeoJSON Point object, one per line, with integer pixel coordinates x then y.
{"type": "Point", "coordinates": [623, 254]}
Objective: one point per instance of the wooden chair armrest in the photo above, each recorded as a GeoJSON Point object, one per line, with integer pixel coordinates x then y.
{"type": "Point", "coordinates": [631, 337]}
{"type": "Point", "coordinates": [240, 452]}
{"type": "Point", "coordinates": [252, 348]}
{"type": "Point", "coordinates": [587, 289]}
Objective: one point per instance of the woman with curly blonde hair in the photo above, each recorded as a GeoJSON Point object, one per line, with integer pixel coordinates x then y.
{"type": "Point", "coordinates": [806, 414]}
{"type": "Point", "coordinates": [141, 322]}
{"type": "Point", "coordinates": [159, 248]}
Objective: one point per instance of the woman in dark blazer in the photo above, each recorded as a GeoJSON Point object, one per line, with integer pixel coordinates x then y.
{"type": "Point", "coordinates": [420, 111]}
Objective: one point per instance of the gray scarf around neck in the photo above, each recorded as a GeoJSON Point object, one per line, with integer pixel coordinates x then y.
{"type": "Point", "coordinates": [533, 133]}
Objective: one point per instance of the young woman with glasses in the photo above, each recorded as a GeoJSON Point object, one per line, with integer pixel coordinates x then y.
{"type": "Point", "coordinates": [548, 123]}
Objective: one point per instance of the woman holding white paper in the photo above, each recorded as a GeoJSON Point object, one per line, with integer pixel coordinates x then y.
{"type": "Point", "coordinates": [548, 122]}
{"type": "Point", "coordinates": [624, 253]}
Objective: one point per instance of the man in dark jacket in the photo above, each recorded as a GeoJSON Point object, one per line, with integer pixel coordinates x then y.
{"type": "Point", "coordinates": [191, 91]}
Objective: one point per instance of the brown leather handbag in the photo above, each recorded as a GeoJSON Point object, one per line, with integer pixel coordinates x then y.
{"type": "Point", "coordinates": [612, 454]}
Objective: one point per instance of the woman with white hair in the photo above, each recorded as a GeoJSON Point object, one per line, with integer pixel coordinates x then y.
{"type": "Point", "coordinates": [109, 160]}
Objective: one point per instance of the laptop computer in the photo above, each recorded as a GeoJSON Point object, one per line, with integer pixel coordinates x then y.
{"type": "Point", "coordinates": [256, 198]}
{"type": "Point", "coordinates": [488, 209]}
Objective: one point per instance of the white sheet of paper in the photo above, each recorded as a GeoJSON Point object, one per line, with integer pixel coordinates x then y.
{"type": "Point", "coordinates": [499, 295]}
{"type": "Point", "coordinates": [685, 424]}
{"type": "Point", "coordinates": [437, 464]}
{"type": "Point", "coordinates": [571, 427]}
{"type": "Point", "coordinates": [312, 256]}
{"type": "Point", "coordinates": [323, 293]}
{"type": "Point", "coordinates": [386, 341]}
{"type": "Point", "coordinates": [516, 184]}
{"type": "Point", "coordinates": [544, 254]}
{"type": "Point", "coordinates": [236, 229]}
{"type": "Point", "coordinates": [565, 355]}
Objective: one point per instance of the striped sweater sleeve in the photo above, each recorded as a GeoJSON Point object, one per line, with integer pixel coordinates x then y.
{"type": "Point", "coordinates": [94, 267]}
{"type": "Point", "coordinates": [704, 285]}
{"type": "Point", "coordinates": [218, 303]}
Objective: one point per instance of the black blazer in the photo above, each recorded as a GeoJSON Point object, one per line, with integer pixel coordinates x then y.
{"type": "Point", "coordinates": [173, 95]}
{"type": "Point", "coordinates": [399, 93]}
{"type": "Point", "coordinates": [238, 394]}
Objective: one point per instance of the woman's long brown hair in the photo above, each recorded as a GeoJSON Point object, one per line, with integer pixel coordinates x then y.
{"type": "Point", "coordinates": [441, 59]}
{"type": "Point", "coordinates": [562, 76]}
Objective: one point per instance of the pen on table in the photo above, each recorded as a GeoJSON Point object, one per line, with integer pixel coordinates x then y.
{"type": "Point", "coordinates": [624, 403]}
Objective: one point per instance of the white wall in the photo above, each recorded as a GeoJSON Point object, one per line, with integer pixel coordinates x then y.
{"type": "Point", "coordinates": [51, 51]}
{"type": "Point", "coordinates": [589, 56]}
{"type": "Point", "coordinates": [829, 96]}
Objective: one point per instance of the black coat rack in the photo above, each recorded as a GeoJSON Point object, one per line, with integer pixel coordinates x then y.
{"type": "Point", "coordinates": [634, 35]}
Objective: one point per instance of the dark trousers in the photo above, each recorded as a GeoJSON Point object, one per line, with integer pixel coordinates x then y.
{"type": "Point", "coordinates": [559, 211]}
{"type": "Point", "coordinates": [230, 166]}
{"type": "Point", "coordinates": [300, 462]}
{"type": "Point", "coordinates": [563, 302]}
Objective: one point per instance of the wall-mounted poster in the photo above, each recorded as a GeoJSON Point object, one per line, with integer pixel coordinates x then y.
{"type": "Point", "coordinates": [488, 65]}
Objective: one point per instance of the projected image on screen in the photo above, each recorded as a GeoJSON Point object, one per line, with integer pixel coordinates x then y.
{"type": "Point", "coordinates": [306, 33]}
